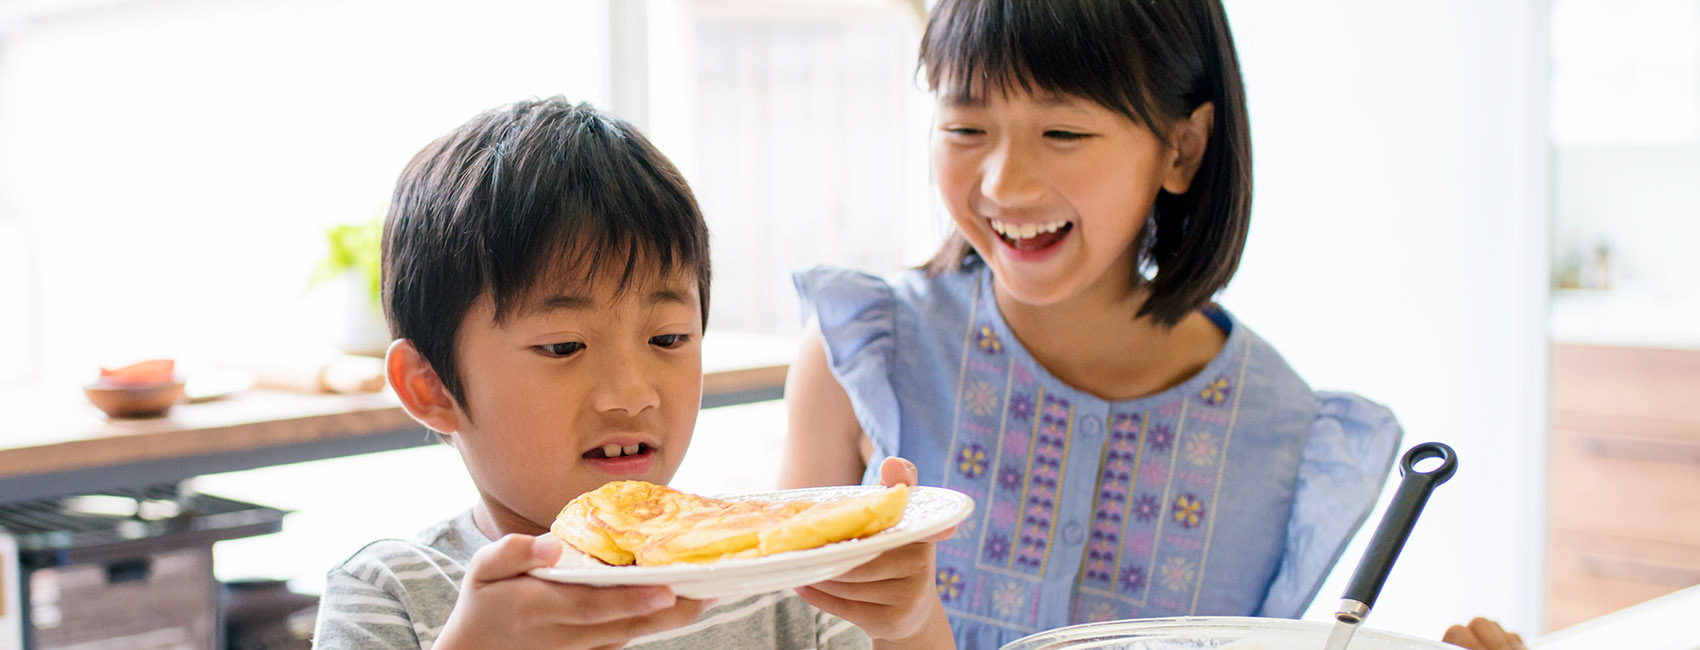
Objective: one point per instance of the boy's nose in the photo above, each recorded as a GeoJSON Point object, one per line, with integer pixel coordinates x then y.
{"type": "Point", "coordinates": [625, 386]}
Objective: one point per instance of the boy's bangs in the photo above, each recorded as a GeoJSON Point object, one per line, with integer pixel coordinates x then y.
{"type": "Point", "coordinates": [973, 48]}
{"type": "Point", "coordinates": [575, 263]}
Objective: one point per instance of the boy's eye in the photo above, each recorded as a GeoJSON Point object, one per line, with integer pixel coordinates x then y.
{"type": "Point", "coordinates": [669, 341]}
{"type": "Point", "coordinates": [561, 349]}
{"type": "Point", "coordinates": [964, 131]}
{"type": "Point", "coordinates": [1066, 136]}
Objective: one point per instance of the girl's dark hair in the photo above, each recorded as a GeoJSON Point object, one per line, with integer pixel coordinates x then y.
{"type": "Point", "coordinates": [1153, 61]}
{"type": "Point", "coordinates": [538, 193]}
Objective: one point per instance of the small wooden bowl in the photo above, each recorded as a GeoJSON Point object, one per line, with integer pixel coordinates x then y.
{"type": "Point", "coordinates": [134, 400]}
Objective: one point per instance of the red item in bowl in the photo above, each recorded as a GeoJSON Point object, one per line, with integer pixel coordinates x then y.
{"type": "Point", "coordinates": [153, 371]}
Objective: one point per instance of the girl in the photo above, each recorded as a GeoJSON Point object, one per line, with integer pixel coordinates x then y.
{"type": "Point", "coordinates": [1133, 449]}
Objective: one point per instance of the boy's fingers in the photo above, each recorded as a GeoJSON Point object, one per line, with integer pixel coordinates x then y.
{"type": "Point", "coordinates": [896, 470]}
{"type": "Point", "coordinates": [513, 555]}
{"type": "Point", "coordinates": [616, 632]}
{"type": "Point", "coordinates": [613, 605]}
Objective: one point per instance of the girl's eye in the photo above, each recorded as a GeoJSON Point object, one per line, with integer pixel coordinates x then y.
{"type": "Point", "coordinates": [1066, 136]}
{"type": "Point", "coordinates": [669, 341]}
{"type": "Point", "coordinates": [561, 349]}
{"type": "Point", "coordinates": [964, 131]}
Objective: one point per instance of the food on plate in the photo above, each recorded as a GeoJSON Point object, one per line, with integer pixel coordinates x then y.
{"type": "Point", "coordinates": [636, 522]}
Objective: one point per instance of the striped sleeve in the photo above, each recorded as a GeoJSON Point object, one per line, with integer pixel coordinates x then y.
{"type": "Point", "coordinates": [356, 615]}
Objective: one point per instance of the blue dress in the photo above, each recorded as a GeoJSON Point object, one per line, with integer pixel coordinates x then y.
{"type": "Point", "coordinates": [1231, 494]}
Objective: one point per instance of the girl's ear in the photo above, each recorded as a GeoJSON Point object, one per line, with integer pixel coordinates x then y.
{"type": "Point", "coordinates": [1187, 141]}
{"type": "Point", "coordinates": [422, 393]}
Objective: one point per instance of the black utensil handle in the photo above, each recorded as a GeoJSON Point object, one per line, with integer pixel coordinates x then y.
{"type": "Point", "coordinates": [1401, 515]}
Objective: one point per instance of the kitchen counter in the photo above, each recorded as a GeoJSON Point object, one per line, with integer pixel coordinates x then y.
{"type": "Point", "coordinates": [1665, 623]}
{"type": "Point", "coordinates": [55, 443]}
{"type": "Point", "coordinates": [1625, 318]}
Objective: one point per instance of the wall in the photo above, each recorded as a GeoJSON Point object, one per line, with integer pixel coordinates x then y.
{"type": "Point", "coordinates": [1398, 249]}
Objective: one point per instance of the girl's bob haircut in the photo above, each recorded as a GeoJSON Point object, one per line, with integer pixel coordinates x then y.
{"type": "Point", "coordinates": [1154, 61]}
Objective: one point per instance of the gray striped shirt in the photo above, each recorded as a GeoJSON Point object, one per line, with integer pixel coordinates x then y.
{"type": "Point", "coordinates": [396, 594]}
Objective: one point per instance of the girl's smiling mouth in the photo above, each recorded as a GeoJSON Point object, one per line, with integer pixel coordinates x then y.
{"type": "Point", "coordinates": [1031, 236]}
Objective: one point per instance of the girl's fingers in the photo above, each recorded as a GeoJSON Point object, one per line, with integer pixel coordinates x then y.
{"type": "Point", "coordinates": [848, 609]}
{"type": "Point", "coordinates": [1490, 634]}
{"type": "Point", "coordinates": [895, 563]}
{"type": "Point", "coordinates": [1461, 636]}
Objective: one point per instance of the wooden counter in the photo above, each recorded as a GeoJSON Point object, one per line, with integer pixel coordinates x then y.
{"type": "Point", "coordinates": [53, 442]}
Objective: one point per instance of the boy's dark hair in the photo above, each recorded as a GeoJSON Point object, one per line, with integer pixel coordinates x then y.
{"type": "Point", "coordinates": [522, 197]}
{"type": "Point", "coordinates": [1153, 62]}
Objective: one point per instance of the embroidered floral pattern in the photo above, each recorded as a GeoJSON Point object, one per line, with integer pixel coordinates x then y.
{"type": "Point", "coordinates": [1103, 612]}
{"type": "Point", "coordinates": [1215, 392]}
{"type": "Point", "coordinates": [1177, 573]}
{"type": "Point", "coordinates": [949, 584]}
{"type": "Point", "coordinates": [988, 340]}
{"type": "Point", "coordinates": [1133, 579]}
{"type": "Point", "coordinates": [1146, 508]}
{"type": "Point", "coordinates": [1009, 478]}
{"type": "Point", "coordinates": [971, 461]}
{"type": "Point", "coordinates": [1161, 437]}
{"type": "Point", "coordinates": [1201, 449]}
{"type": "Point", "coordinates": [1046, 471]}
{"type": "Point", "coordinates": [996, 549]}
{"type": "Point", "coordinates": [1006, 598]}
{"type": "Point", "coordinates": [1020, 407]}
{"type": "Point", "coordinates": [1188, 508]}
{"type": "Point", "coordinates": [982, 398]}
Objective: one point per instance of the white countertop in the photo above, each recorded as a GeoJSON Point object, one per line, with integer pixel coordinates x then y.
{"type": "Point", "coordinates": [1625, 318]}
{"type": "Point", "coordinates": [1664, 623]}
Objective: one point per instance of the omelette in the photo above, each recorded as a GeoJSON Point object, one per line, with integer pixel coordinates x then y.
{"type": "Point", "coordinates": [636, 522]}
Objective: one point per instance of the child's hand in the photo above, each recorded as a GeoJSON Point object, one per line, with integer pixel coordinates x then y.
{"type": "Point", "coordinates": [892, 597]}
{"type": "Point", "coordinates": [502, 607]}
{"type": "Point", "coordinates": [1483, 634]}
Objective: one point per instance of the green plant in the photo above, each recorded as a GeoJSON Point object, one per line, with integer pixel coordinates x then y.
{"type": "Point", "coordinates": [355, 247]}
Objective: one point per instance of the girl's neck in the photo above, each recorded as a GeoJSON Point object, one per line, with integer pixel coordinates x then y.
{"type": "Point", "coordinates": [1094, 343]}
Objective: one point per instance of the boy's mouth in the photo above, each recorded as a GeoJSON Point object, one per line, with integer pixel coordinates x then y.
{"type": "Point", "coordinates": [1031, 236]}
{"type": "Point", "coordinates": [613, 450]}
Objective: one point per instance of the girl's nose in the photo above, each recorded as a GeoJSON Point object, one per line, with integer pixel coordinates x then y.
{"type": "Point", "coordinates": [1009, 177]}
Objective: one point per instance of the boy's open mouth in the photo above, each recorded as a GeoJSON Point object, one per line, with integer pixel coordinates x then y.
{"type": "Point", "coordinates": [619, 451]}
{"type": "Point", "coordinates": [1031, 236]}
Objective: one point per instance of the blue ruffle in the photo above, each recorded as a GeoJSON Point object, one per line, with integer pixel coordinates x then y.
{"type": "Point", "coordinates": [856, 313]}
{"type": "Point", "coordinates": [1347, 460]}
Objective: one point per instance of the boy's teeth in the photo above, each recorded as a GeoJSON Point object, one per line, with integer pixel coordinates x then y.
{"type": "Point", "coordinates": [611, 450]}
{"type": "Point", "coordinates": [632, 450]}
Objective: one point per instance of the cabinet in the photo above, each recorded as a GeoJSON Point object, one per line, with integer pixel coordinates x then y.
{"type": "Point", "coordinates": [1623, 480]}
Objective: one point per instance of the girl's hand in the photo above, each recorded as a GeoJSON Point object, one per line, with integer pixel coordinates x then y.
{"type": "Point", "coordinates": [1483, 634]}
{"type": "Point", "coordinates": [891, 597]}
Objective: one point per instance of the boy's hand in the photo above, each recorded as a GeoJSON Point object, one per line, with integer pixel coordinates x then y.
{"type": "Point", "coordinates": [891, 597]}
{"type": "Point", "coordinates": [502, 607]}
{"type": "Point", "coordinates": [1483, 634]}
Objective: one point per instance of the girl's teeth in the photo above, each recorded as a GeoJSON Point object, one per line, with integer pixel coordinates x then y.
{"type": "Point", "coordinates": [611, 450]}
{"type": "Point", "coordinates": [631, 450]}
{"type": "Point", "coordinates": [1025, 230]}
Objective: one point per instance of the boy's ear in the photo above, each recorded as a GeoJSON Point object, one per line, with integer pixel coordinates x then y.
{"type": "Point", "coordinates": [422, 393]}
{"type": "Point", "coordinates": [1187, 141]}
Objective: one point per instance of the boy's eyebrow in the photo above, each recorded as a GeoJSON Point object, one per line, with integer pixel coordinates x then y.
{"type": "Point", "coordinates": [580, 303]}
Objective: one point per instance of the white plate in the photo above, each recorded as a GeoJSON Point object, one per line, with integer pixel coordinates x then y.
{"type": "Point", "coordinates": [931, 510]}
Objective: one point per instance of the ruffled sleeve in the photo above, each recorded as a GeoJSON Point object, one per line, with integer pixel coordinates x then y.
{"type": "Point", "coordinates": [857, 316]}
{"type": "Point", "coordinates": [1347, 459]}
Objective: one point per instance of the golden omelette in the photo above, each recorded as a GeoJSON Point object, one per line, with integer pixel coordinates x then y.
{"type": "Point", "coordinates": [635, 522]}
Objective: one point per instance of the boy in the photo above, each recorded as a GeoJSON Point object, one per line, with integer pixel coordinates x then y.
{"type": "Point", "coordinates": [546, 276]}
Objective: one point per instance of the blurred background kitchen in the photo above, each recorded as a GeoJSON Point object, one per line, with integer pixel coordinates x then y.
{"type": "Point", "coordinates": [1483, 214]}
